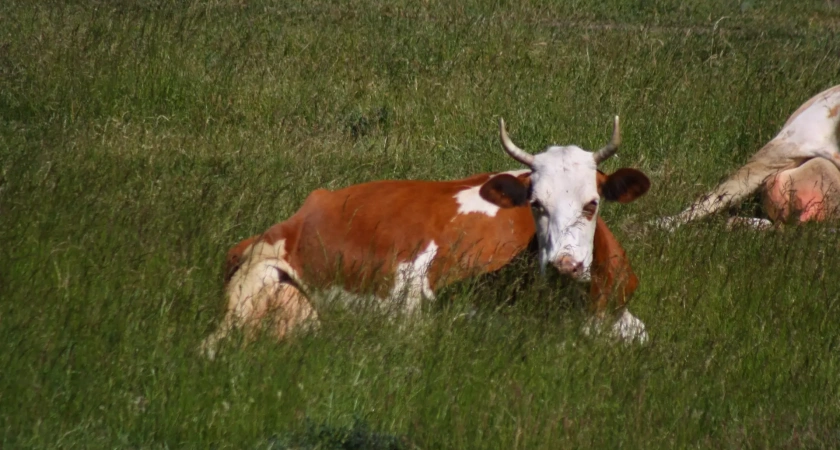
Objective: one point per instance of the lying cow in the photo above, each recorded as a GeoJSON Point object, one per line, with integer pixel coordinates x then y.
{"type": "Point", "coordinates": [797, 173]}
{"type": "Point", "coordinates": [403, 240]}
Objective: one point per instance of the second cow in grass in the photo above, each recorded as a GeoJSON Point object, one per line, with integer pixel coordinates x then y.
{"type": "Point", "coordinates": [797, 173]}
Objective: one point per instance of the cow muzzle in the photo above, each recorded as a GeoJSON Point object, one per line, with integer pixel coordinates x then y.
{"type": "Point", "coordinates": [567, 265]}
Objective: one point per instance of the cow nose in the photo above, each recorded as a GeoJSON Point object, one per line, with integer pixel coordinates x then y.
{"type": "Point", "coordinates": [568, 266]}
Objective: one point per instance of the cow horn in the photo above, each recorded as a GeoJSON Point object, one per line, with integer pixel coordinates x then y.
{"type": "Point", "coordinates": [511, 149]}
{"type": "Point", "coordinates": [609, 149]}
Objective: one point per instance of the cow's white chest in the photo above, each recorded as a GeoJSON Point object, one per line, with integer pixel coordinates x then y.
{"type": "Point", "coordinates": [412, 279]}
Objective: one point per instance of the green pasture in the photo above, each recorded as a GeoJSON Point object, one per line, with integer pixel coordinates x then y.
{"type": "Point", "coordinates": [139, 140]}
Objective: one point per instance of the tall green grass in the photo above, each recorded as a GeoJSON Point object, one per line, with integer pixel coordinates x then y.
{"type": "Point", "coordinates": [140, 140]}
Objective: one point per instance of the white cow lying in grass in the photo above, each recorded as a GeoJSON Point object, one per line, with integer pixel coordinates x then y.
{"type": "Point", "coordinates": [797, 173]}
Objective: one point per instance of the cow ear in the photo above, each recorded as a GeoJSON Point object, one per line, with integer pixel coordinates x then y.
{"type": "Point", "coordinates": [506, 190]}
{"type": "Point", "coordinates": [624, 185]}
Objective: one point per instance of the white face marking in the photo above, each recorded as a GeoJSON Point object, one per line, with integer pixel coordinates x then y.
{"type": "Point", "coordinates": [412, 280]}
{"type": "Point", "coordinates": [563, 182]}
{"type": "Point", "coordinates": [470, 201]}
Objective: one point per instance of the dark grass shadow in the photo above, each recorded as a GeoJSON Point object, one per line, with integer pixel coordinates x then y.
{"type": "Point", "coordinates": [322, 435]}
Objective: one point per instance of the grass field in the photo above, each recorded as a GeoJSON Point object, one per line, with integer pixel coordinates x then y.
{"type": "Point", "coordinates": [139, 140]}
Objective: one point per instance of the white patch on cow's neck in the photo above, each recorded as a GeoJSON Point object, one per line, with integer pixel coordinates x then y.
{"type": "Point", "coordinates": [470, 200]}
{"type": "Point", "coordinates": [412, 280]}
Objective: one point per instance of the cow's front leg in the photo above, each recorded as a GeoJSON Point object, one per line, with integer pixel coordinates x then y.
{"type": "Point", "coordinates": [625, 326]}
{"type": "Point", "coordinates": [629, 328]}
{"type": "Point", "coordinates": [613, 283]}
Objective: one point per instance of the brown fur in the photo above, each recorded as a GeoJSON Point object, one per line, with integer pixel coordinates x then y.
{"type": "Point", "coordinates": [623, 185]}
{"type": "Point", "coordinates": [506, 191]}
{"type": "Point", "coordinates": [612, 276]}
{"type": "Point", "coordinates": [353, 235]}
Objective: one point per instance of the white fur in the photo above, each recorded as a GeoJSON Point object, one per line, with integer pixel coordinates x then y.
{"type": "Point", "coordinates": [412, 280]}
{"type": "Point", "coordinates": [813, 132]}
{"type": "Point", "coordinates": [563, 180]}
{"type": "Point", "coordinates": [753, 223]}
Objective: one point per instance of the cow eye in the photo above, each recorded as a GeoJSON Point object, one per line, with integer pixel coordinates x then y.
{"type": "Point", "coordinates": [537, 206]}
{"type": "Point", "coordinates": [590, 209]}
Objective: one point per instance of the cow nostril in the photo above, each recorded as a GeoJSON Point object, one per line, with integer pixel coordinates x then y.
{"type": "Point", "coordinates": [566, 265]}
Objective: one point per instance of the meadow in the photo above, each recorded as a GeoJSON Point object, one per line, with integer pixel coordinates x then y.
{"type": "Point", "coordinates": [139, 140]}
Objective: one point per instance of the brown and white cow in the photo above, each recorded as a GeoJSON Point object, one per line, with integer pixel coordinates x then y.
{"type": "Point", "coordinates": [797, 173]}
{"type": "Point", "coordinates": [402, 240]}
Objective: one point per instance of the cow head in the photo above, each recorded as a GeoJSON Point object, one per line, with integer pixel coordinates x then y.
{"type": "Point", "coordinates": [565, 190]}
